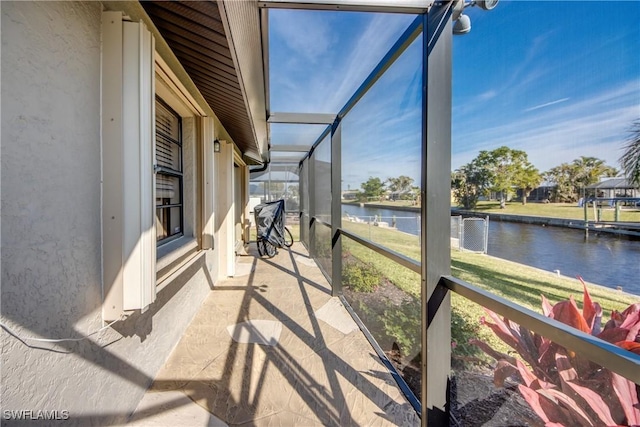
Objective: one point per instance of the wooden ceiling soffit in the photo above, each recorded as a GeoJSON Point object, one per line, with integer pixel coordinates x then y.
{"type": "Point", "coordinates": [195, 32]}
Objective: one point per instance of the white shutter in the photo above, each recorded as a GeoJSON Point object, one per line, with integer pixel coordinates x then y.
{"type": "Point", "coordinates": [129, 244]}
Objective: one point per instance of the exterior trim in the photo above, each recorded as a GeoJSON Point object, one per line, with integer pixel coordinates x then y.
{"type": "Point", "coordinates": [302, 118]}
{"type": "Point", "coordinates": [128, 132]}
{"type": "Point", "coordinates": [383, 6]}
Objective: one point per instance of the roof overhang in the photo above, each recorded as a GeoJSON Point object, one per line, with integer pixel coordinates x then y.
{"type": "Point", "coordinates": [219, 45]}
{"type": "Point", "coordinates": [612, 184]}
{"type": "Point", "coordinates": [223, 48]}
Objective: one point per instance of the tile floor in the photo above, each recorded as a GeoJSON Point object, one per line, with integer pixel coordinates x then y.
{"type": "Point", "coordinates": [271, 347]}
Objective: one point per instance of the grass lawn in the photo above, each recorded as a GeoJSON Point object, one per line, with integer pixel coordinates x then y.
{"type": "Point", "coordinates": [521, 284]}
{"type": "Point", "coordinates": [558, 210]}
{"type": "Point", "coordinates": [515, 282]}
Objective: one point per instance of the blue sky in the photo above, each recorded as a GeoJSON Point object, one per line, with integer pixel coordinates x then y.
{"type": "Point", "coordinates": [556, 79]}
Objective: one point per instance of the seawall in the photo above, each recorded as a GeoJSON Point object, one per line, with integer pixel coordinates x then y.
{"type": "Point", "coordinates": [630, 230]}
{"type": "Point", "coordinates": [622, 229]}
{"type": "Point", "coordinates": [379, 206]}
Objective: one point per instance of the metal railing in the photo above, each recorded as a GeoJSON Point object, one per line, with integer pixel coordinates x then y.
{"type": "Point", "coordinates": [403, 260]}
{"type": "Point", "coordinates": [608, 355]}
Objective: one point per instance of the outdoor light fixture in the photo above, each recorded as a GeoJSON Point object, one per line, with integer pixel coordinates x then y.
{"type": "Point", "coordinates": [462, 23]}
{"type": "Point", "coordinates": [486, 4]}
{"type": "Point", "coordinates": [216, 146]}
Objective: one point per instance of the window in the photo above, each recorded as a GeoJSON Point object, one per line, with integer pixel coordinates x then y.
{"type": "Point", "coordinates": [169, 189]}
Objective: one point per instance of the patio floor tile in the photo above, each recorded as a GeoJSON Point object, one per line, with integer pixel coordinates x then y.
{"type": "Point", "coordinates": [319, 370]}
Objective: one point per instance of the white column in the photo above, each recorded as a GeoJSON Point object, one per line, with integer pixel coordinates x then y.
{"type": "Point", "coordinates": [225, 209]}
{"type": "Point", "coordinates": [208, 196]}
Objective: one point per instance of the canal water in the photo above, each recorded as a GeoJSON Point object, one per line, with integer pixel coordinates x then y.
{"type": "Point", "coordinates": [406, 221]}
{"type": "Point", "coordinates": [603, 259]}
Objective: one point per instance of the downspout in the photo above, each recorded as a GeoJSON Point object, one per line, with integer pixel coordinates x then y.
{"type": "Point", "coordinates": [265, 165]}
{"type": "Point", "coordinates": [262, 168]}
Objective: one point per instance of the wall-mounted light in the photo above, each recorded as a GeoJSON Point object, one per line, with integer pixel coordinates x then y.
{"type": "Point", "coordinates": [486, 4]}
{"type": "Point", "coordinates": [216, 146]}
{"type": "Point", "coordinates": [462, 23]}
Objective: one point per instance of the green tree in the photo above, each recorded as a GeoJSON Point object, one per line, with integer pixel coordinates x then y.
{"type": "Point", "coordinates": [563, 179]}
{"type": "Point", "coordinates": [393, 184]}
{"type": "Point", "coordinates": [508, 169]}
{"type": "Point", "coordinates": [572, 179]}
{"type": "Point", "coordinates": [528, 180]}
{"type": "Point", "coordinates": [292, 190]}
{"type": "Point", "coordinates": [589, 170]}
{"type": "Point", "coordinates": [401, 184]}
{"type": "Point", "coordinates": [372, 189]}
{"type": "Point", "coordinates": [405, 183]}
{"type": "Point", "coordinates": [469, 183]}
{"type": "Point", "coordinates": [292, 197]}
{"type": "Point", "coordinates": [630, 160]}
{"type": "Point", "coordinates": [276, 187]}
{"type": "Point", "coordinates": [415, 195]}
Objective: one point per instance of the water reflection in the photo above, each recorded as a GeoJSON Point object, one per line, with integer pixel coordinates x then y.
{"type": "Point", "coordinates": [602, 259]}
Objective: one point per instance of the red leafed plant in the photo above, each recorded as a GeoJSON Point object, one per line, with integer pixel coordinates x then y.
{"type": "Point", "coordinates": [562, 387]}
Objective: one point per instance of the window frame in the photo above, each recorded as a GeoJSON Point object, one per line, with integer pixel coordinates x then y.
{"type": "Point", "coordinates": [169, 172]}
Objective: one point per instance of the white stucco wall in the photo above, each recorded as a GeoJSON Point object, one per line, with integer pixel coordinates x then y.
{"type": "Point", "coordinates": [51, 225]}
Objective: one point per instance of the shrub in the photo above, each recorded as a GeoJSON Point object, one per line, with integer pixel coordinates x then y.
{"type": "Point", "coordinates": [562, 387]}
{"type": "Point", "coordinates": [360, 277]}
{"type": "Point", "coordinates": [403, 323]}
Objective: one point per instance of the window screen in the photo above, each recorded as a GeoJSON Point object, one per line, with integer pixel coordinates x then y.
{"type": "Point", "coordinates": [168, 173]}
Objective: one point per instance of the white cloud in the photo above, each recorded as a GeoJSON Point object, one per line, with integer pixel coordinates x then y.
{"type": "Point", "coordinates": [321, 63]}
{"type": "Point", "coordinates": [523, 73]}
{"type": "Point", "coordinates": [307, 35]}
{"type": "Point", "coordinates": [595, 126]}
{"type": "Point", "coordinates": [490, 94]}
{"type": "Point", "coordinates": [547, 104]}
{"type": "Point", "coordinates": [373, 43]}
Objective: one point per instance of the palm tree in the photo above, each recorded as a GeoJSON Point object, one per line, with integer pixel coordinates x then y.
{"type": "Point", "coordinates": [589, 170]}
{"type": "Point", "coordinates": [401, 184]}
{"type": "Point", "coordinates": [404, 183]}
{"type": "Point", "coordinates": [394, 184]}
{"type": "Point", "coordinates": [630, 160]}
